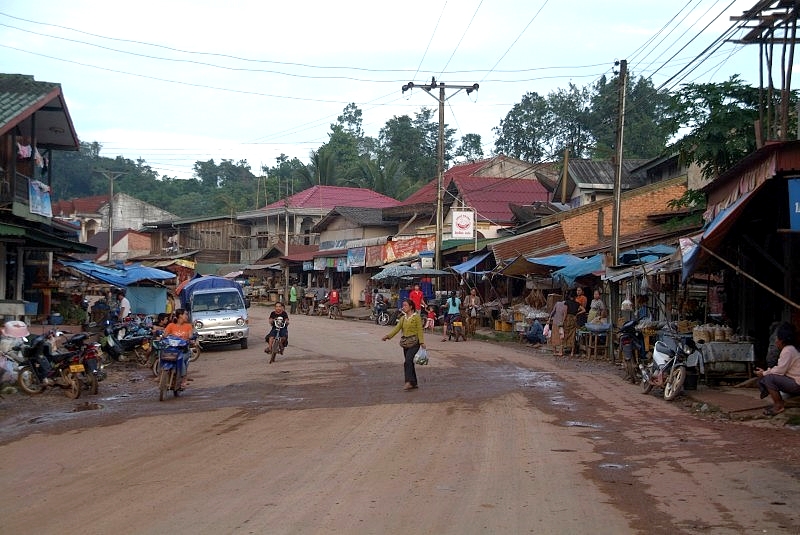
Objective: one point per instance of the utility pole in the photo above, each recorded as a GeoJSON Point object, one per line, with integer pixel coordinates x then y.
{"type": "Point", "coordinates": [111, 176]}
{"type": "Point", "coordinates": [623, 78]}
{"type": "Point", "coordinates": [440, 155]}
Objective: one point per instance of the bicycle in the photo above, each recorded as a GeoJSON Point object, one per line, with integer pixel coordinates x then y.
{"type": "Point", "coordinates": [334, 312]}
{"type": "Point", "coordinates": [277, 347]}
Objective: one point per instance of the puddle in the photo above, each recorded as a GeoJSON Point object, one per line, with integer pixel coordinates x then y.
{"type": "Point", "coordinates": [613, 466]}
{"type": "Point", "coordinates": [88, 406]}
{"type": "Point", "coordinates": [573, 423]}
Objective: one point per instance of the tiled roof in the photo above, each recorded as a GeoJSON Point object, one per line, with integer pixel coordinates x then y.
{"type": "Point", "coordinates": [21, 96]}
{"type": "Point", "coordinates": [330, 197]}
{"type": "Point", "coordinates": [489, 196]}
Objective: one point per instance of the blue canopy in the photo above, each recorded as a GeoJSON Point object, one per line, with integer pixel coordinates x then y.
{"type": "Point", "coordinates": [541, 265]}
{"type": "Point", "coordinates": [124, 276]}
{"type": "Point", "coordinates": [588, 266]}
{"type": "Point", "coordinates": [644, 255]}
{"type": "Point", "coordinates": [469, 264]}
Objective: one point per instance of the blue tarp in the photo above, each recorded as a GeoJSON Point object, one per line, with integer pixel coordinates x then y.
{"type": "Point", "coordinates": [588, 266]}
{"type": "Point", "coordinates": [541, 265]}
{"type": "Point", "coordinates": [644, 255]}
{"type": "Point", "coordinates": [124, 276]}
{"type": "Point", "coordinates": [469, 264]}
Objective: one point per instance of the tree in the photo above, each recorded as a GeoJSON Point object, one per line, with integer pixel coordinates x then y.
{"type": "Point", "coordinates": [720, 119]}
{"type": "Point", "coordinates": [648, 120]}
{"type": "Point", "coordinates": [413, 142]}
{"type": "Point", "coordinates": [523, 132]}
{"type": "Point", "coordinates": [321, 170]}
{"type": "Point", "coordinates": [470, 149]}
{"type": "Point", "coordinates": [568, 121]}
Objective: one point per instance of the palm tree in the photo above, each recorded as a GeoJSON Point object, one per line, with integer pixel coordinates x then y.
{"type": "Point", "coordinates": [322, 171]}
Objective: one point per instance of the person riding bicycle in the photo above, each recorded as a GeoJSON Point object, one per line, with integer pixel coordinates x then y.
{"type": "Point", "coordinates": [379, 303]}
{"type": "Point", "coordinates": [279, 326]}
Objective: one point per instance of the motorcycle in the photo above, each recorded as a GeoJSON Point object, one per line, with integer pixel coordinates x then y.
{"type": "Point", "coordinates": [379, 314]}
{"type": "Point", "coordinates": [667, 367]}
{"type": "Point", "coordinates": [42, 368]}
{"type": "Point", "coordinates": [455, 328]}
{"type": "Point", "coordinates": [88, 355]}
{"type": "Point", "coordinates": [172, 351]}
{"type": "Point", "coordinates": [631, 343]}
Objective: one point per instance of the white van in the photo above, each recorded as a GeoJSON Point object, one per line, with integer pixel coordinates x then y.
{"type": "Point", "coordinates": [220, 317]}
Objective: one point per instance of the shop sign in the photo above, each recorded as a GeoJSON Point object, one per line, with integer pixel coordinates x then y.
{"type": "Point", "coordinates": [463, 224]}
{"type": "Point", "coordinates": [308, 265]}
{"type": "Point", "coordinates": [357, 257]}
{"type": "Point", "coordinates": [794, 203]}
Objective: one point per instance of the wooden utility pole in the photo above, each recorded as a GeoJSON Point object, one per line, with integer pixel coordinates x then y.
{"type": "Point", "coordinates": [110, 176]}
{"type": "Point", "coordinates": [623, 78]}
{"type": "Point", "coordinates": [440, 156]}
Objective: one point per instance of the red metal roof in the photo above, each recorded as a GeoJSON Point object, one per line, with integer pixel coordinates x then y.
{"type": "Point", "coordinates": [330, 197]}
{"type": "Point", "coordinates": [490, 196]}
{"type": "Point", "coordinates": [84, 205]}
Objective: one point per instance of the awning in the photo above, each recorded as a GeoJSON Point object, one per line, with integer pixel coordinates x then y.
{"type": "Point", "coordinates": [469, 264]}
{"type": "Point", "coordinates": [408, 272]}
{"type": "Point", "coordinates": [712, 236]}
{"type": "Point", "coordinates": [368, 242]}
{"type": "Point", "coordinates": [588, 266]}
{"type": "Point", "coordinates": [33, 238]}
{"type": "Point", "coordinates": [542, 265]}
{"type": "Point", "coordinates": [120, 277]}
{"type": "Point", "coordinates": [666, 264]}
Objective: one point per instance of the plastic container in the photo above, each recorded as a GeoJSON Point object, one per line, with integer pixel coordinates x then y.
{"type": "Point", "coordinates": [56, 319]}
{"type": "Point", "coordinates": [31, 308]}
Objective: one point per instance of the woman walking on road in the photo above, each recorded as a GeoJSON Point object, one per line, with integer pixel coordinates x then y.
{"type": "Point", "coordinates": [412, 339]}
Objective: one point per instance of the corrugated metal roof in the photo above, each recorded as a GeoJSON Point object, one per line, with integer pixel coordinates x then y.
{"type": "Point", "coordinates": [489, 196]}
{"type": "Point", "coordinates": [21, 97]}
{"type": "Point", "coordinates": [330, 197]}
{"type": "Point", "coordinates": [541, 242]}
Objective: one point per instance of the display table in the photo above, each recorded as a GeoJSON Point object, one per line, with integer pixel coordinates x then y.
{"type": "Point", "coordinates": [727, 358]}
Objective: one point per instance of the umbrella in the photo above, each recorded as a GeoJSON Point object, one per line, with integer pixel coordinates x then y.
{"type": "Point", "coordinates": [408, 272]}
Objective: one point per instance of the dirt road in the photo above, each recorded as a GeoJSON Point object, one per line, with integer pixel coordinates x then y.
{"type": "Point", "coordinates": [497, 439]}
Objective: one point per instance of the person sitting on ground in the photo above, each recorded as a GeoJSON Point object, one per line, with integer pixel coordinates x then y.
{"type": "Point", "coordinates": [783, 377]}
{"type": "Point", "coordinates": [535, 334]}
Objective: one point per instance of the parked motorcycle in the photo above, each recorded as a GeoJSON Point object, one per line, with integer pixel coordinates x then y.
{"type": "Point", "coordinates": [379, 314]}
{"type": "Point", "coordinates": [172, 350]}
{"type": "Point", "coordinates": [631, 342]}
{"type": "Point", "coordinates": [667, 367]}
{"type": "Point", "coordinates": [88, 354]}
{"type": "Point", "coordinates": [43, 368]}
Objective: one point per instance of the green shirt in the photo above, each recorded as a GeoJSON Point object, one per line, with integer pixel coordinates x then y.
{"type": "Point", "coordinates": [409, 325]}
{"type": "Point", "coordinates": [292, 294]}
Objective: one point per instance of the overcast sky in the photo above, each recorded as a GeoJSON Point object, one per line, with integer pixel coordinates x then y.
{"type": "Point", "coordinates": [176, 81]}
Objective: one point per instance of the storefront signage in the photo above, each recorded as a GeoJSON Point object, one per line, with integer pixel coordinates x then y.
{"type": "Point", "coordinates": [463, 224]}
{"type": "Point", "coordinates": [794, 203]}
{"type": "Point", "coordinates": [357, 257]}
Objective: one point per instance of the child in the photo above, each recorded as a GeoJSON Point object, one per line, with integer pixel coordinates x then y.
{"type": "Point", "coordinates": [430, 319]}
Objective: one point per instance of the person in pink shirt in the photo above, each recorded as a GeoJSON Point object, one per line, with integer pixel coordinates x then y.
{"type": "Point", "coordinates": [784, 376]}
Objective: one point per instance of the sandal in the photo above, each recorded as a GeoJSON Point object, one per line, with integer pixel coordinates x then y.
{"type": "Point", "coordinates": [769, 411]}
